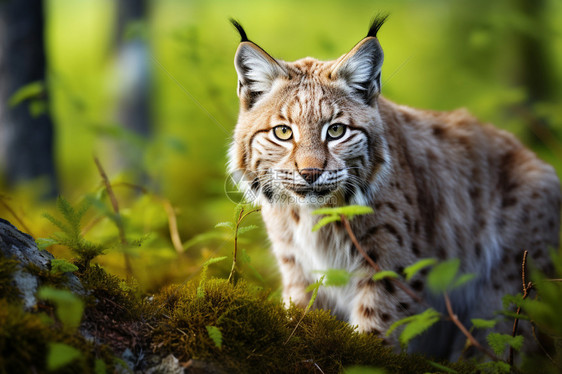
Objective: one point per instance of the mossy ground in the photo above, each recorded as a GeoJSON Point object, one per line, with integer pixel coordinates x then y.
{"type": "Point", "coordinates": [256, 330]}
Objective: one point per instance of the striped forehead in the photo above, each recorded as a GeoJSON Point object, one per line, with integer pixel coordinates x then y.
{"type": "Point", "coordinates": [310, 104]}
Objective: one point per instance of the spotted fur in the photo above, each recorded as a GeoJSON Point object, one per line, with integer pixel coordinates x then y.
{"type": "Point", "coordinates": [441, 185]}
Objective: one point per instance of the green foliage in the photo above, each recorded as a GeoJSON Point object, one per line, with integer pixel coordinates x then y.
{"type": "Point", "coordinates": [201, 287]}
{"type": "Point", "coordinates": [60, 265]}
{"type": "Point", "coordinates": [443, 277]}
{"type": "Point", "coordinates": [334, 214]}
{"type": "Point", "coordinates": [495, 367]}
{"type": "Point", "coordinates": [336, 277]}
{"type": "Point", "coordinates": [498, 342]}
{"type": "Point", "coordinates": [60, 355]}
{"type": "Point", "coordinates": [385, 274]}
{"type": "Point", "coordinates": [415, 325]}
{"type": "Point", "coordinates": [30, 90]}
{"type": "Point", "coordinates": [71, 235]}
{"type": "Point", "coordinates": [44, 243]}
{"type": "Point", "coordinates": [483, 323]}
{"type": "Point", "coordinates": [69, 307]}
{"type": "Point", "coordinates": [413, 269]}
{"type": "Point", "coordinates": [363, 370]}
{"type": "Point", "coordinates": [215, 335]}
{"type": "Point", "coordinates": [255, 331]}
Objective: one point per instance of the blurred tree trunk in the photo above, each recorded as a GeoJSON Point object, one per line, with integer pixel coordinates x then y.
{"type": "Point", "coordinates": [26, 141]}
{"type": "Point", "coordinates": [535, 71]}
{"type": "Point", "coordinates": [133, 80]}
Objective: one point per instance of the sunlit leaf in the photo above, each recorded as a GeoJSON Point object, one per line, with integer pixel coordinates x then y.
{"type": "Point", "coordinates": [69, 307]}
{"type": "Point", "coordinates": [324, 221]}
{"type": "Point", "coordinates": [61, 355]}
{"type": "Point", "coordinates": [60, 265]}
{"type": "Point", "coordinates": [385, 274]}
{"type": "Point", "coordinates": [44, 243]}
{"type": "Point", "coordinates": [442, 275]}
{"type": "Point", "coordinates": [215, 335]}
{"type": "Point", "coordinates": [29, 91]}
{"type": "Point", "coordinates": [498, 342]}
{"type": "Point", "coordinates": [418, 325]}
{"type": "Point", "coordinates": [462, 280]}
{"type": "Point", "coordinates": [442, 368]}
{"type": "Point", "coordinates": [483, 323]}
{"type": "Point", "coordinates": [245, 229]}
{"type": "Point", "coordinates": [228, 225]}
{"type": "Point", "coordinates": [413, 269]}
{"type": "Point", "coordinates": [349, 211]}
{"type": "Point", "coordinates": [336, 277]}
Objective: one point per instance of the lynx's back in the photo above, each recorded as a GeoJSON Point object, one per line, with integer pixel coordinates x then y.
{"type": "Point", "coordinates": [441, 184]}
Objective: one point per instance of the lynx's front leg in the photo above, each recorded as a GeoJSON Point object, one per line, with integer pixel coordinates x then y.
{"type": "Point", "coordinates": [376, 306]}
{"type": "Point", "coordinates": [294, 280]}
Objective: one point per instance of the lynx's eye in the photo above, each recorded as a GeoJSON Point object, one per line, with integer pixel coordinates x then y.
{"type": "Point", "coordinates": [336, 131]}
{"type": "Point", "coordinates": [283, 132]}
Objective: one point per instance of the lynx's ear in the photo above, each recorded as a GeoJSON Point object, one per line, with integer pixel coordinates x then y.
{"type": "Point", "coordinates": [256, 70]}
{"type": "Point", "coordinates": [361, 67]}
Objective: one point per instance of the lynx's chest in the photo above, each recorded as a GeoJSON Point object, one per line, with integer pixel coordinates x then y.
{"type": "Point", "coordinates": [314, 252]}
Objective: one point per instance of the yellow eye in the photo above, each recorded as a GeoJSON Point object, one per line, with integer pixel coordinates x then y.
{"type": "Point", "coordinates": [336, 131]}
{"type": "Point", "coordinates": [283, 132]}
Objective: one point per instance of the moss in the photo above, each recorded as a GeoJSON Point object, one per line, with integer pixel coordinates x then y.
{"type": "Point", "coordinates": [24, 341]}
{"type": "Point", "coordinates": [256, 332]}
{"type": "Point", "coordinates": [8, 289]}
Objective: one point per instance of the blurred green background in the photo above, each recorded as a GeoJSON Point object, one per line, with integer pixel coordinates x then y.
{"type": "Point", "coordinates": [502, 60]}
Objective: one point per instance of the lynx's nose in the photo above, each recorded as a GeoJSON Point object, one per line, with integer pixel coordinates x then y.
{"type": "Point", "coordinates": [310, 175]}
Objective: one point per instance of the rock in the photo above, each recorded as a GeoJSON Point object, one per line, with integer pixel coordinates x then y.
{"type": "Point", "coordinates": [22, 247]}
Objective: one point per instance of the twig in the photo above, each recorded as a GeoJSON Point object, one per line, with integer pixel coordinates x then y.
{"type": "Point", "coordinates": [115, 206]}
{"type": "Point", "coordinates": [373, 264]}
{"type": "Point", "coordinates": [463, 329]}
{"type": "Point", "coordinates": [542, 347]}
{"type": "Point", "coordinates": [241, 217]}
{"type": "Point", "coordinates": [526, 288]}
{"type": "Point", "coordinates": [170, 212]}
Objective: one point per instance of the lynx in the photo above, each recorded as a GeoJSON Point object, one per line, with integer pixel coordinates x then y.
{"type": "Point", "coordinates": [318, 133]}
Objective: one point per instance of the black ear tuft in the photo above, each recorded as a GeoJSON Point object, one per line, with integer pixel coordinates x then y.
{"type": "Point", "coordinates": [376, 25]}
{"type": "Point", "coordinates": [243, 37]}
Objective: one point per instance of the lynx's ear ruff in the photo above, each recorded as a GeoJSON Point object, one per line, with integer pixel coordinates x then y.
{"type": "Point", "coordinates": [256, 70]}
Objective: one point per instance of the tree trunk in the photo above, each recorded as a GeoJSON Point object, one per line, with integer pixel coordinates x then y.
{"type": "Point", "coordinates": [26, 141]}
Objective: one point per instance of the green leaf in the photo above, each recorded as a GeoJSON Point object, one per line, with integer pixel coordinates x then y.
{"type": "Point", "coordinates": [421, 322]}
{"type": "Point", "coordinates": [499, 341]}
{"type": "Point", "coordinates": [385, 274]}
{"type": "Point", "coordinates": [61, 355]}
{"type": "Point", "coordinates": [413, 269]}
{"type": "Point", "coordinates": [495, 367]}
{"type": "Point", "coordinates": [463, 279]}
{"type": "Point", "coordinates": [215, 335]}
{"type": "Point", "coordinates": [363, 370]}
{"type": "Point", "coordinates": [336, 277]}
{"type": "Point", "coordinates": [228, 225]}
{"type": "Point", "coordinates": [314, 287]}
{"type": "Point", "coordinates": [442, 275]}
{"type": "Point", "coordinates": [483, 323]}
{"type": "Point", "coordinates": [37, 108]}
{"type": "Point", "coordinates": [203, 237]}
{"type": "Point", "coordinates": [442, 368]}
{"type": "Point", "coordinates": [324, 221]}
{"type": "Point", "coordinates": [29, 91]}
{"type": "Point", "coordinates": [418, 325]}
{"type": "Point", "coordinates": [44, 243]}
{"type": "Point", "coordinates": [214, 260]}
{"type": "Point", "coordinates": [99, 366]}
{"type": "Point", "coordinates": [69, 307]}
{"type": "Point", "coordinates": [349, 211]}
{"type": "Point", "coordinates": [245, 229]}
{"type": "Point", "coordinates": [60, 265]}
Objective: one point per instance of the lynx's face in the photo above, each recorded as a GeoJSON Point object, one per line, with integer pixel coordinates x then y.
{"type": "Point", "coordinates": [309, 132]}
